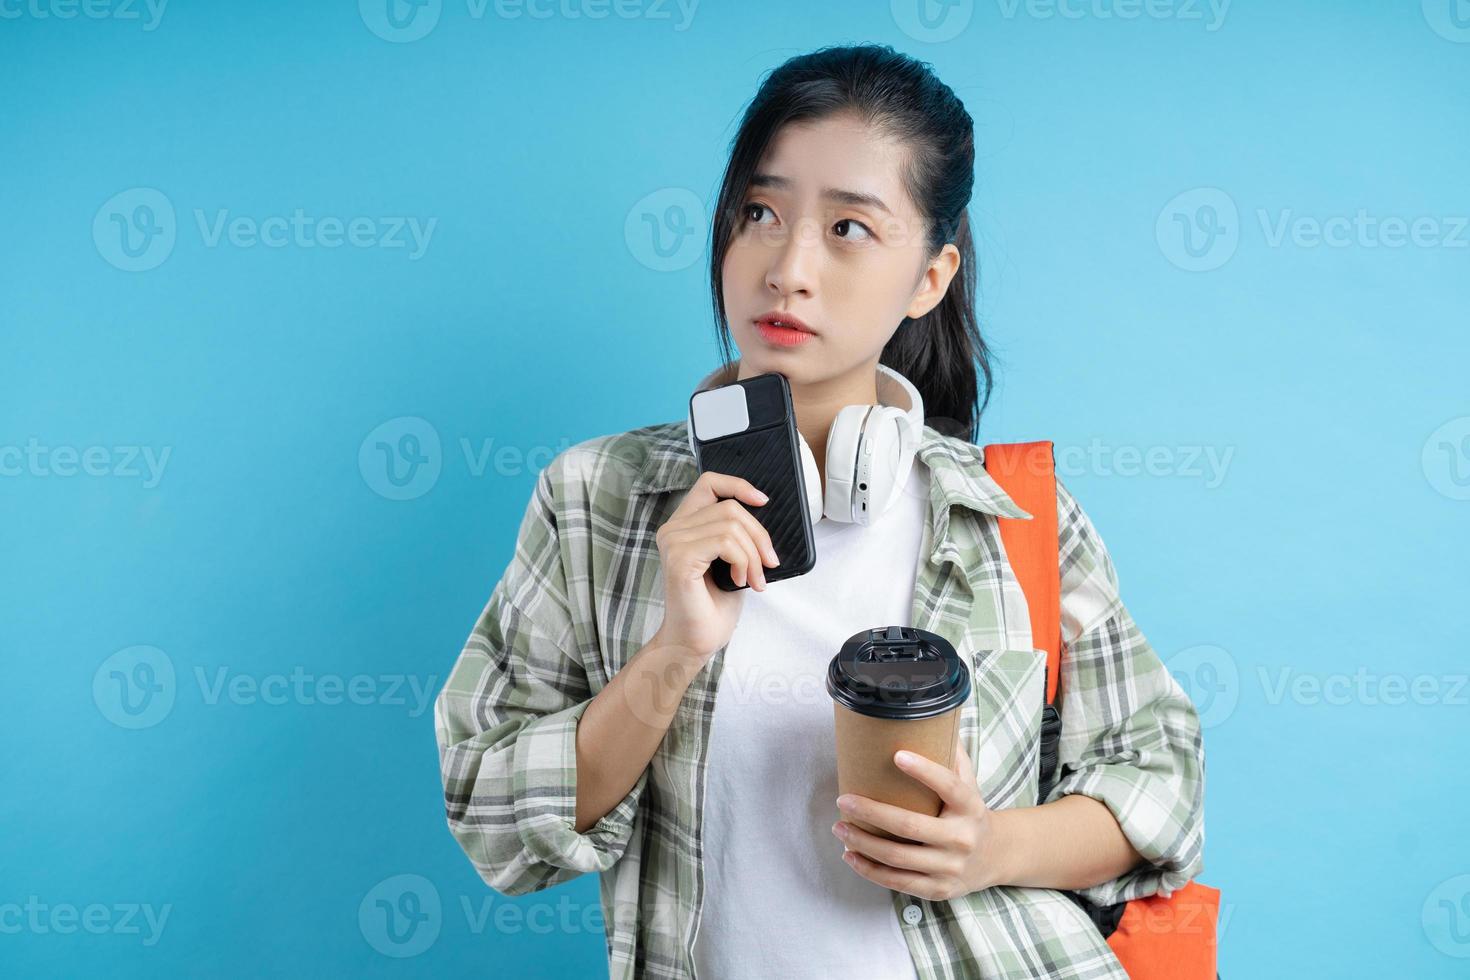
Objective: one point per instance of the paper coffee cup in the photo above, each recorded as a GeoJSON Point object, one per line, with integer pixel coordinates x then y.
{"type": "Point", "coordinates": [895, 687]}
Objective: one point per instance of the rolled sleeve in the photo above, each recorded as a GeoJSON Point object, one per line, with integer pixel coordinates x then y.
{"type": "Point", "coordinates": [506, 723]}
{"type": "Point", "coordinates": [1130, 735]}
{"type": "Point", "coordinates": [545, 794]}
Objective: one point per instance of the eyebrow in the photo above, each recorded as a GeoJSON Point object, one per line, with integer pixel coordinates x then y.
{"type": "Point", "coordinates": [856, 198]}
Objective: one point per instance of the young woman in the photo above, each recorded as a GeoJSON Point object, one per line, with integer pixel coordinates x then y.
{"type": "Point", "coordinates": [614, 711]}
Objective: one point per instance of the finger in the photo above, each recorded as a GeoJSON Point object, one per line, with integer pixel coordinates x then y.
{"type": "Point", "coordinates": [696, 548]}
{"type": "Point", "coordinates": [910, 857]}
{"type": "Point", "coordinates": [723, 526]}
{"type": "Point", "coordinates": [731, 515]}
{"type": "Point", "coordinates": [735, 549]}
{"type": "Point", "coordinates": [966, 770]}
{"type": "Point", "coordinates": [905, 882]}
{"type": "Point", "coordinates": [754, 568]}
{"type": "Point", "coordinates": [896, 820]}
{"type": "Point", "coordinates": [731, 509]}
{"type": "Point", "coordinates": [711, 487]}
{"type": "Point", "coordinates": [948, 783]}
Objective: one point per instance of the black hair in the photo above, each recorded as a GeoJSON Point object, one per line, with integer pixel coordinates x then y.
{"type": "Point", "coordinates": [939, 351]}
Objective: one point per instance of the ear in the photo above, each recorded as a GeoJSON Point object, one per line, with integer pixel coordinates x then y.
{"type": "Point", "coordinates": [935, 281]}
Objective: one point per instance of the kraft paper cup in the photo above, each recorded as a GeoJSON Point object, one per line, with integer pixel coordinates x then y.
{"type": "Point", "coordinates": [895, 687]}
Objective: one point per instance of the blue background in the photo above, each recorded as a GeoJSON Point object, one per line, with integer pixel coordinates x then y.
{"type": "Point", "coordinates": [1331, 547]}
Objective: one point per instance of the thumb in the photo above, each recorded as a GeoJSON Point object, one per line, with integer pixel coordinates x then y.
{"type": "Point", "coordinates": [966, 770]}
{"type": "Point", "coordinates": [962, 763]}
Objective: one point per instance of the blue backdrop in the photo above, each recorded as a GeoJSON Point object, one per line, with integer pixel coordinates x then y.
{"type": "Point", "coordinates": [299, 298]}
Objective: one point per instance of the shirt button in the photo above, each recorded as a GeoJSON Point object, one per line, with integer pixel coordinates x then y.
{"type": "Point", "coordinates": [912, 914]}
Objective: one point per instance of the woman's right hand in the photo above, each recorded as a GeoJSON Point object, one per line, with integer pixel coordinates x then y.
{"type": "Point", "coordinates": [699, 616]}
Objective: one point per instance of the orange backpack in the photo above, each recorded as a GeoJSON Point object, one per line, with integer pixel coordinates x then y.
{"type": "Point", "coordinates": [1154, 938]}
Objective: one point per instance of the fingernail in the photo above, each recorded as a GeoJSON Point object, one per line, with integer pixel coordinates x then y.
{"type": "Point", "coordinates": [904, 758]}
{"type": "Point", "coordinates": [761, 496]}
{"type": "Point", "coordinates": [774, 560]}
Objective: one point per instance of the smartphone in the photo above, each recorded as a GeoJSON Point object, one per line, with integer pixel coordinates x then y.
{"type": "Point", "coordinates": [748, 429]}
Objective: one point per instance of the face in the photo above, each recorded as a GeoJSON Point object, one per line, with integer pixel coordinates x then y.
{"type": "Point", "coordinates": [828, 235]}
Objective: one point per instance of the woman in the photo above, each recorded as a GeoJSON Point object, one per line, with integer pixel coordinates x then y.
{"type": "Point", "coordinates": [585, 726]}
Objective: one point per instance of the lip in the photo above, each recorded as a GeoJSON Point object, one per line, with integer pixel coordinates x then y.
{"type": "Point", "coordinates": [784, 319]}
{"type": "Point", "coordinates": [783, 329]}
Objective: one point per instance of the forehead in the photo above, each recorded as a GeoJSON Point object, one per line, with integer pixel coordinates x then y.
{"type": "Point", "coordinates": [840, 152]}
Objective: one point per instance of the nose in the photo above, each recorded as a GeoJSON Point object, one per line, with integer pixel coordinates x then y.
{"type": "Point", "coordinates": [793, 265]}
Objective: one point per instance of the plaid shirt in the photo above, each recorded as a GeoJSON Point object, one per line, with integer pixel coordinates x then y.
{"type": "Point", "coordinates": [583, 592]}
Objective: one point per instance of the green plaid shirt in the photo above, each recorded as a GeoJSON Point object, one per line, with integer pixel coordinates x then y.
{"type": "Point", "coordinates": [583, 592]}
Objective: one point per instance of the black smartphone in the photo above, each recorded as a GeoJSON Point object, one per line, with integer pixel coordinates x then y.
{"type": "Point", "coordinates": [748, 429]}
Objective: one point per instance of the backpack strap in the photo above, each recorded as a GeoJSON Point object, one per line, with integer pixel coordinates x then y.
{"type": "Point", "coordinates": [1170, 938]}
{"type": "Point", "coordinates": [1026, 471]}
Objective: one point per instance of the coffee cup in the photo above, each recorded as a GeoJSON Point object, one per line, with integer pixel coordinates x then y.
{"type": "Point", "coordinates": [892, 688]}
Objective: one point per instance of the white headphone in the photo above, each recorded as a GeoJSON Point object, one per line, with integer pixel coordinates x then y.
{"type": "Point", "coordinates": [870, 449]}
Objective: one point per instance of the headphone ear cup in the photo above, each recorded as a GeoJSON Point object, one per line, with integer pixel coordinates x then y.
{"type": "Point", "coordinates": [813, 480]}
{"type": "Point", "coordinates": [892, 458]}
{"type": "Point", "coordinates": [844, 440]}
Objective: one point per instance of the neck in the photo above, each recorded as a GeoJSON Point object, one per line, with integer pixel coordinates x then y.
{"type": "Point", "coordinates": [817, 403]}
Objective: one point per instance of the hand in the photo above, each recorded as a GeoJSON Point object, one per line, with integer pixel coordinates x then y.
{"type": "Point", "coordinates": [699, 616]}
{"type": "Point", "coordinates": [958, 851]}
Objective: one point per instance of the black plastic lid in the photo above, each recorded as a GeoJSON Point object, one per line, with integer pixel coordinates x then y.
{"type": "Point", "coordinates": [898, 672]}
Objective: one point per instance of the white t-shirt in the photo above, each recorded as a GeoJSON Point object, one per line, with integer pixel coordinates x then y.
{"type": "Point", "coordinates": [779, 900]}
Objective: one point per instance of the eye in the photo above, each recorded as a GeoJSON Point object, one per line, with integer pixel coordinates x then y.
{"type": "Point", "coordinates": [753, 212]}
{"type": "Point", "coordinates": [863, 233]}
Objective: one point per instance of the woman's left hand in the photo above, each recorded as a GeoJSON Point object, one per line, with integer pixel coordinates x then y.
{"type": "Point", "coordinates": [957, 850]}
